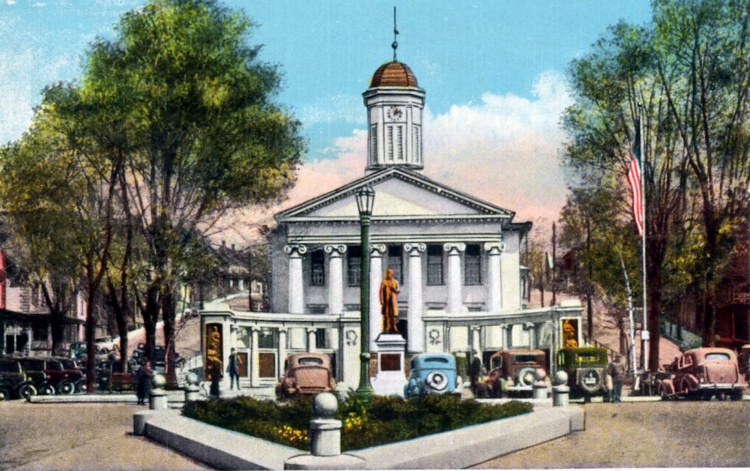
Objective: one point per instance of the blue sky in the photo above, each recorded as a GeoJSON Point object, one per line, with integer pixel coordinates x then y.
{"type": "Point", "coordinates": [493, 72]}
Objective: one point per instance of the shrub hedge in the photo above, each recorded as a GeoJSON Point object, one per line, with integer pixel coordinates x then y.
{"type": "Point", "coordinates": [366, 423]}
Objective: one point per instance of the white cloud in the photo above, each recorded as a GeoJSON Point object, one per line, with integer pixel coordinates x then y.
{"type": "Point", "coordinates": [503, 150]}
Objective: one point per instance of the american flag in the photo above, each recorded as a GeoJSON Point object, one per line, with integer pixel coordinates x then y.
{"type": "Point", "coordinates": [634, 179]}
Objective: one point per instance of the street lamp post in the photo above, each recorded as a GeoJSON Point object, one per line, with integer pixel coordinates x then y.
{"type": "Point", "coordinates": [365, 203]}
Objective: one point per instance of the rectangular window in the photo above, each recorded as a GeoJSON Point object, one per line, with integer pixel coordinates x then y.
{"type": "Point", "coordinates": [434, 265]}
{"type": "Point", "coordinates": [389, 142]}
{"type": "Point", "coordinates": [321, 339]}
{"type": "Point", "coordinates": [417, 145]}
{"type": "Point", "coordinates": [318, 270]}
{"type": "Point", "coordinates": [354, 265]}
{"type": "Point", "coordinates": [399, 142]}
{"type": "Point", "coordinates": [373, 144]}
{"type": "Point", "coordinates": [396, 261]}
{"type": "Point", "coordinates": [268, 338]}
{"type": "Point", "coordinates": [472, 265]}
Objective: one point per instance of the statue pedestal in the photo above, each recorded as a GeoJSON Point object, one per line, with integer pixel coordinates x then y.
{"type": "Point", "coordinates": [390, 378]}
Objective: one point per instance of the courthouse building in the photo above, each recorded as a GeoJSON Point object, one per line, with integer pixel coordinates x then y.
{"type": "Point", "coordinates": [456, 257]}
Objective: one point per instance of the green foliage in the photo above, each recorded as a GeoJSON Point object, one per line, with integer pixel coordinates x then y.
{"type": "Point", "coordinates": [378, 421]}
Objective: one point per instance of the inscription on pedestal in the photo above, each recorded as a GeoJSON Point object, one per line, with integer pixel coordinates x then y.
{"type": "Point", "coordinates": [390, 362]}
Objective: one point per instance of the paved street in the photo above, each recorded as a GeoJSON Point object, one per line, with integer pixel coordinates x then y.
{"type": "Point", "coordinates": [79, 437]}
{"type": "Point", "coordinates": [631, 434]}
{"type": "Point", "coordinates": [646, 434]}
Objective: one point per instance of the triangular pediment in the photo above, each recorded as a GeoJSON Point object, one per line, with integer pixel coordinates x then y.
{"type": "Point", "coordinates": [399, 194]}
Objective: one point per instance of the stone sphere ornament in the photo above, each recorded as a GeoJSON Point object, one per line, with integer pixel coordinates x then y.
{"type": "Point", "coordinates": [192, 379]}
{"type": "Point", "coordinates": [540, 374]}
{"type": "Point", "coordinates": [159, 381]}
{"type": "Point", "coordinates": [325, 405]}
{"type": "Point", "coordinates": [561, 378]}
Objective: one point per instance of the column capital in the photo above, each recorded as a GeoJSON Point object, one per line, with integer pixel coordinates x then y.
{"type": "Point", "coordinates": [311, 330]}
{"type": "Point", "coordinates": [454, 247]}
{"type": "Point", "coordinates": [335, 250]}
{"type": "Point", "coordinates": [475, 328]}
{"type": "Point", "coordinates": [283, 329]}
{"type": "Point", "coordinates": [255, 329]}
{"type": "Point", "coordinates": [377, 250]}
{"type": "Point", "coordinates": [415, 247]}
{"type": "Point", "coordinates": [494, 248]}
{"type": "Point", "coordinates": [295, 249]}
{"type": "Point", "coordinates": [528, 325]}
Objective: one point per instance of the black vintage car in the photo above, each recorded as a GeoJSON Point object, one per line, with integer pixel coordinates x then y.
{"type": "Point", "coordinates": [14, 383]}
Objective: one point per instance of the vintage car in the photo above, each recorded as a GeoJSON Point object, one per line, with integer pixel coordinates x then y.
{"type": "Point", "coordinates": [305, 373]}
{"type": "Point", "coordinates": [586, 367]}
{"type": "Point", "coordinates": [703, 373]}
{"type": "Point", "coordinates": [49, 376]}
{"type": "Point", "coordinates": [513, 372]}
{"type": "Point", "coordinates": [14, 383]}
{"type": "Point", "coordinates": [432, 373]}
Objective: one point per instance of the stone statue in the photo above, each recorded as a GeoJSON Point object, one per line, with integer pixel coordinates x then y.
{"type": "Point", "coordinates": [389, 290]}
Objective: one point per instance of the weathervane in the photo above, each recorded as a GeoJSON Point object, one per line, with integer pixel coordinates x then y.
{"type": "Point", "coordinates": [395, 34]}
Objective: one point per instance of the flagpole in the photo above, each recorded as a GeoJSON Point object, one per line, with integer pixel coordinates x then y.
{"type": "Point", "coordinates": [645, 335]}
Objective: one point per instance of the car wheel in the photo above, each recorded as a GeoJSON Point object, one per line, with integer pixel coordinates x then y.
{"type": "Point", "coordinates": [80, 386]}
{"type": "Point", "coordinates": [736, 395]}
{"type": "Point", "coordinates": [26, 391]}
{"type": "Point", "coordinates": [437, 380]}
{"type": "Point", "coordinates": [4, 393]}
{"type": "Point", "coordinates": [47, 390]}
{"type": "Point", "coordinates": [66, 387]}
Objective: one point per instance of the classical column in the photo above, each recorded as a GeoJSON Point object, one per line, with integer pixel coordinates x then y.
{"type": "Point", "coordinates": [296, 282]}
{"type": "Point", "coordinates": [335, 278]}
{"type": "Point", "coordinates": [281, 351]}
{"type": "Point", "coordinates": [311, 339]}
{"type": "Point", "coordinates": [475, 340]}
{"type": "Point", "coordinates": [504, 335]}
{"type": "Point", "coordinates": [416, 304]}
{"type": "Point", "coordinates": [254, 358]}
{"type": "Point", "coordinates": [376, 277]}
{"type": "Point", "coordinates": [531, 327]}
{"type": "Point", "coordinates": [494, 278]}
{"type": "Point", "coordinates": [455, 284]}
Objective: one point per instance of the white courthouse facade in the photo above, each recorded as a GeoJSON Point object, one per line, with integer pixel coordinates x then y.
{"type": "Point", "coordinates": [456, 257]}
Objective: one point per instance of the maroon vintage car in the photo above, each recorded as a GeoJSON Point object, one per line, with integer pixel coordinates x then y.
{"type": "Point", "coordinates": [703, 373]}
{"type": "Point", "coordinates": [513, 371]}
{"type": "Point", "coordinates": [305, 373]}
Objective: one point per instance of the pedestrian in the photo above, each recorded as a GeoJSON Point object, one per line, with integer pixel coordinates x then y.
{"type": "Point", "coordinates": [233, 368]}
{"type": "Point", "coordinates": [616, 371]}
{"type": "Point", "coordinates": [144, 376]}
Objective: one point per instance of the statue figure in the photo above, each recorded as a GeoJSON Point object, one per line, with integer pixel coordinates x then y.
{"type": "Point", "coordinates": [389, 290]}
{"type": "Point", "coordinates": [569, 335]}
{"type": "Point", "coordinates": [213, 353]}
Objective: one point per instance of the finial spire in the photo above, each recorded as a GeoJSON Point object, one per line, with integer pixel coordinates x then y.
{"type": "Point", "coordinates": [395, 34]}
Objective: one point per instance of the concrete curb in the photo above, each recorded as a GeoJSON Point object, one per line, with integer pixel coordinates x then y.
{"type": "Point", "coordinates": [461, 448]}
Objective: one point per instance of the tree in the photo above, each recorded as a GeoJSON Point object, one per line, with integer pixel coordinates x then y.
{"type": "Point", "coordinates": [204, 136]}
{"type": "Point", "coordinates": [618, 92]}
{"type": "Point", "coordinates": [702, 58]}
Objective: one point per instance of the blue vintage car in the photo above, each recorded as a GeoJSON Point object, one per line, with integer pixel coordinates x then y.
{"type": "Point", "coordinates": [432, 373]}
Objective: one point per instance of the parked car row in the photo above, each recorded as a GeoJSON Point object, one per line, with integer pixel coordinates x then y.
{"type": "Point", "coordinates": [21, 377]}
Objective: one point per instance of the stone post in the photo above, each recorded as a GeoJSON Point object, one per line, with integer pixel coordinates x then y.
{"type": "Point", "coordinates": [561, 391]}
{"type": "Point", "coordinates": [325, 440]}
{"type": "Point", "coordinates": [540, 385]}
{"type": "Point", "coordinates": [158, 398]}
{"type": "Point", "coordinates": [192, 391]}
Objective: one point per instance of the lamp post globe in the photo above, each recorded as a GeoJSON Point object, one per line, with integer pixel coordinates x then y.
{"type": "Point", "coordinates": [365, 204]}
